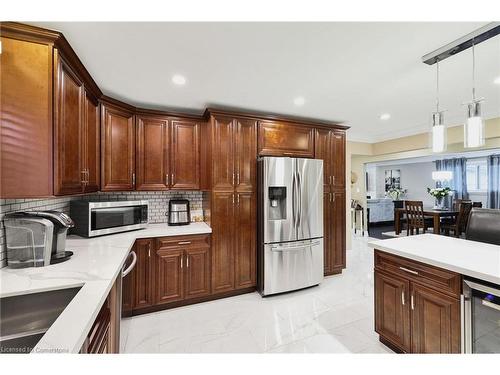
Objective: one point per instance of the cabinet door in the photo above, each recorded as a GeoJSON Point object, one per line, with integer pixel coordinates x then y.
{"type": "Point", "coordinates": [185, 156]}
{"type": "Point", "coordinates": [285, 139]}
{"type": "Point", "coordinates": [128, 289]}
{"type": "Point", "coordinates": [323, 142]}
{"type": "Point", "coordinates": [152, 153]}
{"type": "Point", "coordinates": [222, 154]}
{"type": "Point", "coordinates": [435, 321]}
{"type": "Point", "coordinates": [392, 310]}
{"type": "Point", "coordinates": [338, 228]}
{"type": "Point", "coordinates": [222, 241]}
{"type": "Point", "coordinates": [144, 273]}
{"type": "Point", "coordinates": [245, 240]}
{"type": "Point", "coordinates": [246, 154]}
{"type": "Point", "coordinates": [169, 277]}
{"type": "Point", "coordinates": [118, 172]}
{"type": "Point", "coordinates": [93, 144]}
{"type": "Point", "coordinates": [197, 272]}
{"type": "Point", "coordinates": [69, 146]}
{"type": "Point", "coordinates": [328, 234]}
{"type": "Point", "coordinates": [26, 119]}
{"type": "Point", "coordinates": [338, 159]}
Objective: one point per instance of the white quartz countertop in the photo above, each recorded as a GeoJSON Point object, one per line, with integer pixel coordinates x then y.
{"type": "Point", "coordinates": [94, 267]}
{"type": "Point", "coordinates": [469, 258]}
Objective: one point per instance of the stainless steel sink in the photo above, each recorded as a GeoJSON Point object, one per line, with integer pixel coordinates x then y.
{"type": "Point", "coordinates": [24, 319]}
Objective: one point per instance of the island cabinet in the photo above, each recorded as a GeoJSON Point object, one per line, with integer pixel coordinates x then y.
{"type": "Point", "coordinates": [168, 153]}
{"type": "Point", "coordinates": [229, 174]}
{"type": "Point", "coordinates": [279, 138]}
{"type": "Point", "coordinates": [417, 306]}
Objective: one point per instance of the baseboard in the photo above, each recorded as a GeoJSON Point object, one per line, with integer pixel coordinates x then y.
{"type": "Point", "coordinates": [391, 345]}
{"type": "Point", "coordinates": [192, 301]}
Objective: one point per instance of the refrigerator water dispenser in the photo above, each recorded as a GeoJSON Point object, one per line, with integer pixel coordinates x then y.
{"type": "Point", "coordinates": [277, 202]}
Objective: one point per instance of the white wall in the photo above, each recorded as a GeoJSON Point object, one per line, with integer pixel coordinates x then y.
{"type": "Point", "coordinates": [415, 177]}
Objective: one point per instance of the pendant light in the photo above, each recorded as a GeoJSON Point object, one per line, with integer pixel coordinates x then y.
{"type": "Point", "coordinates": [474, 126]}
{"type": "Point", "coordinates": [438, 127]}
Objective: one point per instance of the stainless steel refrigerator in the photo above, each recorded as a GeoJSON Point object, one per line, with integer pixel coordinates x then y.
{"type": "Point", "coordinates": [290, 211]}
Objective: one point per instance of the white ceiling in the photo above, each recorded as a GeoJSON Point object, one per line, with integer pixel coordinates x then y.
{"type": "Point", "coordinates": [347, 72]}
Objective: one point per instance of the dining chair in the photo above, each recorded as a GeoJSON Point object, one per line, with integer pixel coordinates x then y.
{"type": "Point", "coordinates": [458, 227]}
{"type": "Point", "coordinates": [477, 204]}
{"type": "Point", "coordinates": [415, 219]}
{"type": "Point", "coordinates": [457, 202]}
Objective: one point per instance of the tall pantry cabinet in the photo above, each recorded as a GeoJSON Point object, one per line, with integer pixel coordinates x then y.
{"type": "Point", "coordinates": [229, 173]}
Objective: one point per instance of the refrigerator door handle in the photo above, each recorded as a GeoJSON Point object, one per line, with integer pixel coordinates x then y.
{"type": "Point", "coordinates": [293, 200]}
{"type": "Point", "coordinates": [299, 189]}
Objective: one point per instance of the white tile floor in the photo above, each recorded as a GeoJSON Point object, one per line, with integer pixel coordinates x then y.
{"type": "Point", "coordinates": [334, 317]}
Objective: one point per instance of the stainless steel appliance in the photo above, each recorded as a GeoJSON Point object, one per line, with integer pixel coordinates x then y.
{"type": "Point", "coordinates": [480, 317]}
{"type": "Point", "coordinates": [36, 238]}
{"type": "Point", "coordinates": [178, 212]}
{"type": "Point", "coordinates": [98, 218]}
{"type": "Point", "coordinates": [290, 224]}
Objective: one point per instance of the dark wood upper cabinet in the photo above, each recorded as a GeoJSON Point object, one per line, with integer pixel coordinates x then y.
{"type": "Point", "coordinates": [152, 154]}
{"type": "Point", "coordinates": [285, 139]}
{"type": "Point", "coordinates": [169, 277]}
{"type": "Point", "coordinates": [223, 249]}
{"type": "Point", "coordinates": [222, 154]}
{"type": "Point", "coordinates": [26, 131]}
{"type": "Point", "coordinates": [92, 141]}
{"type": "Point", "coordinates": [197, 276]}
{"type": "Point", "coordinates": [392, 309]}
{"type": "Point", "coordinates": [69, 151]}
{"type": "Point", "coordinates": [118, 148]}
{"type": "Point", "coordinates": [245, 154]}
{"type": "Point", "coordinates": [323, 151]}
{"type": "Point", "coordinates": [185, 155]}
{"type": "Point", "coordinates": [144, 275]}
{"type": "Point", "coordinates": [338, 159]}
{"type": "Point", "coordinates": [435, 323]}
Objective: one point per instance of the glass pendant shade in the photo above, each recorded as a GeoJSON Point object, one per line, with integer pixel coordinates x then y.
{"type": "Point", "coordinates": [439, 140]}
{"type": "Point", "coordinates": [474, 126]}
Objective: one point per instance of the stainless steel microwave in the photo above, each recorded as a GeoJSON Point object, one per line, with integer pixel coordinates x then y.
{"type": "Point", "coordinates": [100, 218]}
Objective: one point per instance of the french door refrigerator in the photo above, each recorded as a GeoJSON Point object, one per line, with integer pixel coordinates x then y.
{"type": "Point", "coordinates": [290, 211]}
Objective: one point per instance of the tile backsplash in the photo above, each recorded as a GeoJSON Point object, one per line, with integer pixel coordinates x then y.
{"type": "Point", "coordinates": [158, 206]}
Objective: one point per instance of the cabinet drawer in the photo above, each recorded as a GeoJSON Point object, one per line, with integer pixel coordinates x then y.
{"type": "Point", "coordinates": [437, 278]}
{"type": "Point", "coordinates": [184, 241]}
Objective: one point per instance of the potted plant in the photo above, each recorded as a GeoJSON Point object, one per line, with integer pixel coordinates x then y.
{"type": "Point", "coordinates": [396, 194]}
{"type": "Point", "coordinates": [439, 194]}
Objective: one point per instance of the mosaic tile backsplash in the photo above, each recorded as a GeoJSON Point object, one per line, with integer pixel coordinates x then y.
{"type": "Point", "coordinates": [158, 206]}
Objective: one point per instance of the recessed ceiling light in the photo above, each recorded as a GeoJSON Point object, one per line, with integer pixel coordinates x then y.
{"type": "Point", "coordinates": [497, 80]}
{"type": "Point", "coordinates": [299, 100]}
{"type": "Point", "coordinates": [179, 79]}
{"type": "Point", "coordinates": [385, 116]}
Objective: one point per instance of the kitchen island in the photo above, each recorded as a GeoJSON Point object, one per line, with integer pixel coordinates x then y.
{"type": "Point", "coordinates": [94, 268]}
{"type": "Point", "coordinates": [418, 289]}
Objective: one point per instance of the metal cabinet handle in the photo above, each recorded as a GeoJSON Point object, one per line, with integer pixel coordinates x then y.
{"type": "Point", "coordinates": [333, 197]}
{"type": "Point", "coordinates": [187, 261]}
{"type": "Point", "coordinates": [408, 270]}
{"type": "Point", "coordinates": [184, 243]}
{"type": "Point", "coordinates": [83, 176]}
{"type": "Point", "coordinates": [233, 198]}
{"type": "Point", "coordinates": [149, 250]}
{"type": "Point", "coordinates": [132, 265]}
{"type": "Point", "coordinates": [412, 302]}
{"type": "Point", "coordinates": [330, 197]}
{"type": "Point", "coordinates": [288, 153]}
{"type": "Point", "coordinates": [333, 180]}
{"type": "Point", "coordinates": [233, 179]}
{"type": "Point", "coordinates": [182, 259]}
{"type": "Point", "coordinates": [238, 179]}
{"type": "Point", "coordinates": [166, 179]}
{"type": "Point", "coordinates": [403, 297]}
{"type": "Point", "coordinates": [172, 179]}
{"type": "Point", "coordinates": [238, 199]}
{"type": "Point", "coordinates": [133, 179]}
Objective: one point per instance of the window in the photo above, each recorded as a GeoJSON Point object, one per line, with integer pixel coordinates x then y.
{"type": "Point", "coordinates": [477, 175]}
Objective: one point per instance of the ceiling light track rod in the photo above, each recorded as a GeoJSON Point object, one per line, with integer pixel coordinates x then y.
{"type": "Point", "coordinates": [467, 41]}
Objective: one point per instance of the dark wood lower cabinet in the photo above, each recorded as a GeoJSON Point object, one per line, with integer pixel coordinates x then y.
{"type": "Point", "coordinates": [334, 232]}
{"type": "Point", "coordinates": [144, 248]}
{"type": "Point", "coordinates": [169, 275]}
{"type": "Point", "coordinates": [197, 272]}
{"type": "Point", "coordinates": [392, 312]}
{"type": "Point", "coordinates": [413, 312]}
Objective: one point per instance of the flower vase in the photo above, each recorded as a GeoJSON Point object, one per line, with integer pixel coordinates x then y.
{"type": "Point", "coordinates": [439, 205]}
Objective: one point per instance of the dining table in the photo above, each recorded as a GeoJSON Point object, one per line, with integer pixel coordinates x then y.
{"type": "Point", "coordinates": [435, 213]}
